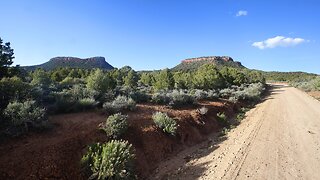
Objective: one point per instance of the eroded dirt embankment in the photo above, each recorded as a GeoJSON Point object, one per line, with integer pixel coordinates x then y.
{"type": "Point", "coordinates": [56, 154]}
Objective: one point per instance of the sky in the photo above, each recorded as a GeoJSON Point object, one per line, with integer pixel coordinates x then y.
{"type": "Point", "coordinates": [272, 35]}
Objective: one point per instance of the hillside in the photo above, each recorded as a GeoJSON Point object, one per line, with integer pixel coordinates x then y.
{"type": "Point", "coordinates": [288, 76]}
{"type": "Point", "coordinates": [193, 63]}
{"type": "Point", "coordinates": [72, 62]}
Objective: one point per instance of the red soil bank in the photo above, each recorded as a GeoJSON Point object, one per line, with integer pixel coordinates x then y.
{"type": "Point", "coordinates": [56, 154]}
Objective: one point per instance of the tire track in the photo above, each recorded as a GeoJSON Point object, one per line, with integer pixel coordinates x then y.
{"type": "Point", "coordinates": [243, 153]}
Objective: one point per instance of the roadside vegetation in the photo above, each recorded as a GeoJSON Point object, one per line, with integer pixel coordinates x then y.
{"type": "Point", "coordinates": [27, 98]}
{"type": "Point", "coordinates": [307, 82]}
{"type": "Point", "coordinates": [288, 77]}
{"type": "Point", "coordinates": [308, 85]}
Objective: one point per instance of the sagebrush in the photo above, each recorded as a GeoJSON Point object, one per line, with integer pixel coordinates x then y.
{"type": "Point", "coordinates": [111, 160]}
{"type": "Point", "coordinates": [121, 103]}
{"type": "Point", "coordinates": [115, 125]}
{"type": "Point", "coordinates": [25, 115]}
{"type": "Point", "coordinates": [164, 122]}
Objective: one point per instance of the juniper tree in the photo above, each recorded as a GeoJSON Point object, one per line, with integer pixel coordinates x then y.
{"type": "Point", "coordinates": [6, 58]}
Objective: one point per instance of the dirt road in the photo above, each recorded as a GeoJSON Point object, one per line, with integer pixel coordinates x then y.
{"type": "Point", "coordinates": [279, 139]}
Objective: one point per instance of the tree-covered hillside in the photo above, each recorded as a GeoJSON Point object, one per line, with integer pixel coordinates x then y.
{"type": "Point", "coordinates": [72, 62]}
{"type": "Point", "coordinates": [193, 64]}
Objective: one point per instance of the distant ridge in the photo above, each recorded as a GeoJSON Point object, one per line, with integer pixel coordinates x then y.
{"type": "Point", "coordinates": [72, 62]}
{"type": "Point", "coordinates": [194, 63]}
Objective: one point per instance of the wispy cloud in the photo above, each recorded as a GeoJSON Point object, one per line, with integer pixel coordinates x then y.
{"type": "Point", "coordinates": [278, 41]}
{"type": "Point", "coordinates": [242, 13]}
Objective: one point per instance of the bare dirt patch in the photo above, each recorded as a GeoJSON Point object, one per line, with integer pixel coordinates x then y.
{"type": "Point", "coordinates": [54, 154]}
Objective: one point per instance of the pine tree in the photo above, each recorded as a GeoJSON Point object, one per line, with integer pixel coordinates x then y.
{"type": "Point", "coordinates": [6, 58]}
{"type": "Point", "coordinates": [208, 77]}
{"type": "Point", "coordinates": [164, 80]}
{"type": "Point", "coordinates": [100, 81]}
{"type": "Point", "coordinates": [131, 79]}
{"type": "Point", "coordinates": [146, 79]}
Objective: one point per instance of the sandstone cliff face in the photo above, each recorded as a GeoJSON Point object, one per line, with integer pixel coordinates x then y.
{"type": "Point", "coordinates": [209, 58]}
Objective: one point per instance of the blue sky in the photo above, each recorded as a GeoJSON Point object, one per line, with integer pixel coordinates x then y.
{"type": "Point", "coordinates": [149, 34]}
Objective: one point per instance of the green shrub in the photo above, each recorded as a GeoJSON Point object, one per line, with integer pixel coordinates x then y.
{"type": "Point", "coordinates": [224, 131]}
{"type": "Point", "coordinates": [105, 97]}
{"type": "Point", "coordinates": [212, 95]}
{"type": "Point", "coordinates": [308, 84]}
{"type": "Point", "coordinates": [164, 122]}
{"type": "Point", "coordinates": [240, 116]}
{"type": "Point", "coordinates": [180, 98]}
{"type": "Point", "coordinates": [12, 89]}
{"type": "Point", "coordinates": [115, 125]}
{"type": "Point", "coordinates": [78, 92]}
{"type": "Point", "coordinates": [111, 160]}
{"type": "Point", "coordinates": [139, 96]}
{"type": "Point", "coordinates": [64, 102]}
{"type": "Point", "coordinates": [160, 98]}
{"type": "Point", "coordinates": [251, 92]}
{"type": "Point", "coordinates": [200, 94]}
{"type": "Point", "coordinates": [76, 99]}
{"type": "Point", "coordinates": [233, 99]}
{"type": "Point", "coordinates": [226, 93]}
{"type": "Point", "coordinates": [86, 104]}
{"type": "Point", "coordinates": [69, 82]}
{"type": "Point", "coordinates": [119, 104]}
{"type": "Point", "coordinates": [43, 95]}
{"type": "Point", "coordinates": [244, 109]}
{"type": "Point", "coordinates": [175, 98]}
{"type": "Point", "coordinates": [222, 120]}
{"type": "Point", "coordinates": [26, 115]}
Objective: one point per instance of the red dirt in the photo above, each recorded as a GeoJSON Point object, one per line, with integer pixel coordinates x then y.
{"type": "Point", "coordinates": [56, 154]}
{"type": "Point", "coordinates": [315, 94]}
